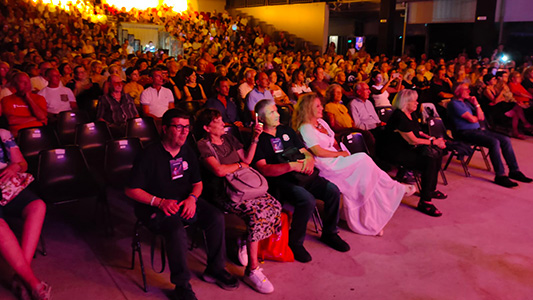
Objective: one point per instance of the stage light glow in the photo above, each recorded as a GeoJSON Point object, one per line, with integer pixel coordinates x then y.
{"type": "Point", "coordinates": [177, 5]}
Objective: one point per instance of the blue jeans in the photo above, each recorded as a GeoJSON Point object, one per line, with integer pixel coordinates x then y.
{"type": "Point", "coordinates": [496, 143]}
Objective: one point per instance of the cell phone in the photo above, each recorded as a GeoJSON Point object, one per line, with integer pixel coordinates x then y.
{"type": "Point", "coordinates": [257, 119]}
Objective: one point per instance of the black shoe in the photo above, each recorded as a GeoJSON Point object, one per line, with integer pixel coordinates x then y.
{"type": "Point", "coordinates": [517, 175]}
{"type": "Point", "coordinates": [335, 242]}
{"type": "Point", "coordinates": [505, 181]}
{"type": "Point", "coordinates": [222, 278]}
{"type": "Point", "coordinates": [300, 254]}
{"type": "Point", "coordinates": [184, 292]}
{"type": "Point", "coordinates": [438, 195]}
{"type": "Point", "coordinates": [428, 208]}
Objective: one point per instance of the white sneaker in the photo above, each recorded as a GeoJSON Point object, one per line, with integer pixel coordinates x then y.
{"type": "Point", "coordinates": [410, 189]}
{"type": "Point", "coordinates": [258, 281]}
{"type": "Point", "coordinates": [242, 253]}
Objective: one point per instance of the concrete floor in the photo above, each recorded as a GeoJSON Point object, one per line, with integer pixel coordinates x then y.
{"type": "Point", "coordinates": [481, 248]}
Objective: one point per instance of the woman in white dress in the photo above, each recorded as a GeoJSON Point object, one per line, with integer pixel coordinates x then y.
{"type": "Point", "coordinates": [370, 196]}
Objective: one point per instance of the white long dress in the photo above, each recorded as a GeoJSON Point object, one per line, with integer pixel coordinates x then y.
{"type": "Point", "coordinates": [370, 196]}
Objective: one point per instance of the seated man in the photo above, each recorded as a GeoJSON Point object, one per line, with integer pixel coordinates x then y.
{"type": "Point", "coordinates": [116, 107]}
{"type": "Point", "coordinates": [58, 98]}
{"type": "Point", "coordinates": [166, 184]}
{"type": "Point", "coordinates": [84, 89]}
{"type": "Point", "coordinates": [157, 99]}
{"type": "Point", "coordinates": [260, 92]}
{"type": "Point", "coordinates": [24, 109]}
{"type": "Point", "coordinates": [466, 124]}
{"type": "Point", "coordinates": [363, 112]}
{"type": "Point", "coordinates": [298, 182]}
{"type": "Point", "coordinates": [224, 103]}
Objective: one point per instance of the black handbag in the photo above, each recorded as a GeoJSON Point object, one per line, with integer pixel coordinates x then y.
{"type": "Point", "coordinates": [291, 155]}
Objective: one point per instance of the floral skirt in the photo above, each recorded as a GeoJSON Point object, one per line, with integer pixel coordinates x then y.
{"type": "Point", "coordinates": [262, 216]}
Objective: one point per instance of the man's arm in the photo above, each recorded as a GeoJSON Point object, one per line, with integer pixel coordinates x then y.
{"type": "Point", "coordinates": [36, 109]}
{"type": "Point", "coordinates": [355, 116]}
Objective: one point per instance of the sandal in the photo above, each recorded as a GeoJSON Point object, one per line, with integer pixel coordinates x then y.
{"type": "Point", "coordinates": [428, 208]}
{"type": "Point", "coordinates": [438, 195]}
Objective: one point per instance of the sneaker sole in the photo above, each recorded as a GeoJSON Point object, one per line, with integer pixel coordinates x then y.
{"type": "Point", "coordinates": [255, 288]}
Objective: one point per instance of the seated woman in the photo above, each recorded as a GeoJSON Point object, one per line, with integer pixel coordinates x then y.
{"type": "Point", "coordinates": [262, 214]}
{"type": "Point", "coordinates": [380, 90]}
{"type": "Point", "coordinates": [27, 205]}
{"type": "Point", "coordinates": [132, 87]}
{"type": "Point", "coordinates": [279, 95]}
{"type": "Point", "coordinates": [298, 85]}
{"type": "Point", "coordinates": [370, 196]}
{"type": "Point", "coordinates": [499, 104]}
{"type": "Point", "coordinates": [192, 90]}
{"type": "Point", "coordinates": [340, 120]}
{"type": "Point", "coordinates": [413, 149]}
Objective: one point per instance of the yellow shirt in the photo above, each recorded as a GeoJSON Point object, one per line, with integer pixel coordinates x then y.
{"type": "Point", "coordinates": [134, 90]}
{"type": "Point", "coordinates": [340, 112]}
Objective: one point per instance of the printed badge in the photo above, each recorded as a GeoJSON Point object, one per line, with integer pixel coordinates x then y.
{"type": "Point", "coordinates": [64, 97]}
{"type": "Point", "coordinates": [277, 145]}
{"type": "Point", "coordinates": [176, 168]}
{"type": "Point", "coordinates": [286, 137]}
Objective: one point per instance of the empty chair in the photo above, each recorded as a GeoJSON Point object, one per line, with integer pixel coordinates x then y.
{"type": "Point", "coordinates": [92, 139]}
{"type": "Point", "coordinates": [66, 125]}
{"type": "Point", "coordinates": [384, 113]}
{"type": "Point", "coordinates": [355, 143]}
{"type": "Point", "coordinates": [144, 129]}
{"type": "Point", "coordinates": [63, 176]}
{"type": "Point", "coordinates": [119, 157]}
{"type": "Point", "coordinates": [34, 139]}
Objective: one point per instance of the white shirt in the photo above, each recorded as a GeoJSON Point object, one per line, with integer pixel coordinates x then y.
{"type": "Point", "coordinates": [157, 102]}
{"type": "Point", "coordinates": [38, 83]}
{"type": "Point", "coordinates": [57, 99]}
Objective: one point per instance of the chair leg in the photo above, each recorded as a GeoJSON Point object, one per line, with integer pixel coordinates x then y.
{"type": "Point", "coordinates": [317, 220]}
{"type": "Point", "coordinates": [136, 247]}
{"type": "Point", "coordinates": [418, 180]}
{"type": "Point", "coordinates": [485, 158]}
{"type": "Point", "coordinates": [444, 180]}
{"type": "Point", "coordinates": [465, 168]}
{"type": "Point", "coordinates": [448, 162]}
{"type": "Point", "coordinates": [43, 245]}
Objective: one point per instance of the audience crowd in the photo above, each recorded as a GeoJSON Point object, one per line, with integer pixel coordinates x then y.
{"type": "Point", "coordinates": [289, 109]}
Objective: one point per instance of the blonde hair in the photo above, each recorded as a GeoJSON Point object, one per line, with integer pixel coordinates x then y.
{"type": "Point", "coordinates": [303, 110]}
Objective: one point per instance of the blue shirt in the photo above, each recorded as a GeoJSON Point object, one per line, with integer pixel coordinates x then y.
{"type": "Point", "coordinates": [255, 96]}
{"type": "Point", "coordinates": [229, 113]}
{"type": "Point", "coordinates": [456, 109]}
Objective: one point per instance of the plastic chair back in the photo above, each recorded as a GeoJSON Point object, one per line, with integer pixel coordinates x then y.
{"type": "Point", "coordinates": [92, 138]}
{"type": "Point", "coordinates": [284, 115]}
{"type": "Point", "coordinates": [384, 113]}
{"type": "Point", "coordinates": [190, 107]}
{"type": "Point", "coordinates": [34, 139]}
{"type": "Point", "coordinates": [63, 175]}
{"type": "Point", "coordinates": [119, 158]}
{"type": "Point", "coordinates": [436, 128]}
{"type": "Point", "coordinates": [144, 129]}
{"type": "Point", "coordinates": [355, 143]}
{"type": "Point", "coordinates": [66, 125]}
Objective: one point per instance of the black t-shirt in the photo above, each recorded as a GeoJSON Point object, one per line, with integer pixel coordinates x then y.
{"type": "Point", "coordinates": [436, 89]}
{"type": "Point", "coordinates": [270, 147]}
{"type": "Point", "coordinates": [158, 173]}
{"type": "Point", "coordinates": [400, 122]}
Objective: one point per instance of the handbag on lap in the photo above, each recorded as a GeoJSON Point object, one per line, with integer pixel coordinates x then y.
{"type": "Point", "coordinates": [13, 187]}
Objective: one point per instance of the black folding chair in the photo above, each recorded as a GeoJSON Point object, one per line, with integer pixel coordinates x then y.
{"type": "Point", "coordinates": [384, 113]}
{"type": "Point", "coordinates": [355, 143]}
{"type": "Point", "coordinates": [66, 125]}
{"type": "Point", "coordinates": [34, 139]}
{"type": "Point", "coordinates": [92, 138]}
{"type": "Point", "coordinates": [144, 129]}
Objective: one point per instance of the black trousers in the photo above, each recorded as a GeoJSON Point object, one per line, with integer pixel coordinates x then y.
{"type": "Point", "coordinates": [208, 218]}
{"type": "Point", "coordinates": [304, 201]}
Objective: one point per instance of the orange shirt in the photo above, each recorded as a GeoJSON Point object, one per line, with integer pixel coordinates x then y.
{"type": "Point", "coordinates": [518, 88]}
{"type": "Point", "coordinates": [13, 106]}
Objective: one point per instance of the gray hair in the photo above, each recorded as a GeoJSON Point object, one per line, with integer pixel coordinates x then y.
{"type": "Point", "coordinates": [403, 97]}
{"type": "Point", "coordinates": [261, 105]}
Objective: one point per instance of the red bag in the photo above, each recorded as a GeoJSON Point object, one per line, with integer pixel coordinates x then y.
{"type": "Point", "coordinates": [276, 247]}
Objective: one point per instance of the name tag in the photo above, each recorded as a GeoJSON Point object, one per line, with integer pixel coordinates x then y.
{"type": "Point", "coordinates": [176, 168]}
{"type": "Point", "coordinates": [277, 145]}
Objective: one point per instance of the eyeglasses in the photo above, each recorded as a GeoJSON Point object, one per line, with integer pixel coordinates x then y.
{"type": "Point", "coordinates": [180, 127]}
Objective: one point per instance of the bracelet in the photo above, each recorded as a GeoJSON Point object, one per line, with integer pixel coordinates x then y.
{"type": "Point", "coordinates": [255, 141]}
{"type": "Point", "coordinates": [194, 196]}
{"type": "Point", "coordinates": [240, 166]}
{"type": "Point", "coordinates": [152, 201]}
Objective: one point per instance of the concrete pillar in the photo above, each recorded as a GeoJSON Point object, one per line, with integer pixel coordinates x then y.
{"type": "Point", "coordinates": [386, 30]}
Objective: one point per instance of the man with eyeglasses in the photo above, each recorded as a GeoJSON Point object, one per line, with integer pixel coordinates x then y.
{"type": "Point", "coordinates": [465, 113]}
{"type": "Point", "coordinates": [165, 182]}
{"type": "Point", "coordinates": [116, 107]}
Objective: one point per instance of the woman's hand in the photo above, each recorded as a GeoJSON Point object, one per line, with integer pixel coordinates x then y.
{"type": "Point", "coordinates": [344, 153]}
{"type": "Point", "coordinates": [258, 129]}
{"type": "Point", "coordinates": [9, 172]}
